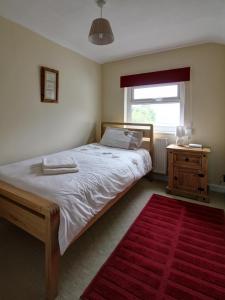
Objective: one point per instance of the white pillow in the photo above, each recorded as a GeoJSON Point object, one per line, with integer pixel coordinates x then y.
{"type": "Point", "coordinates": [122, 138]}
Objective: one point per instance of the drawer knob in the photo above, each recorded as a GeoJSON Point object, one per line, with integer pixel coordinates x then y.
{"type": "Point", "coordinates": [201, 175]}
{"type": "Point", "coordinates": [175, 178]}
{"type": "Point", "coordinates": [186, 159]}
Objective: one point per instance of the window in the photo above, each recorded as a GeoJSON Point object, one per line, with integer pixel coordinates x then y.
{"type": "Point", "coordinates": [161, 104]}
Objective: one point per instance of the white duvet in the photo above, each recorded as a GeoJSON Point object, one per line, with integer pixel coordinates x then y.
{"type": "Point", "coordinates": [103, 173]}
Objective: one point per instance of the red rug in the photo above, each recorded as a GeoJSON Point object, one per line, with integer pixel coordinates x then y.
{"type": "Point", "coordinates": [174, 250]}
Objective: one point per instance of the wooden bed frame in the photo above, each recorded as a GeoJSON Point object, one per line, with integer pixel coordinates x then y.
{"type": "Point", "coordinates": [40, 217]}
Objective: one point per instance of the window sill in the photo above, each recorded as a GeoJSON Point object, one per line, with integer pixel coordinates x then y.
{"type": "Point", "coordinates": [165, 133]}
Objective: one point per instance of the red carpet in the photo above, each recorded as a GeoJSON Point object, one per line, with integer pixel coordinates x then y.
{"type": "Point", "coordinates": [174, 250]}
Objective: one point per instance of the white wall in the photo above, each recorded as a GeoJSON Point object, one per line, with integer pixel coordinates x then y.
{"type": "Point", "coordinates": [27, 126]}
{"type": "Point", "coordinates": [207, 91]}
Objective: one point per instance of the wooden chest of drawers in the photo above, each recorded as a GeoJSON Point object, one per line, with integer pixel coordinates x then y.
{"type": "Point", "coordinates": [188, 172]}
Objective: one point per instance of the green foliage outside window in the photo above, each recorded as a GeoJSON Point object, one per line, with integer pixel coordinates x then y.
{"type": "Point", "coordinates": [143, 114]}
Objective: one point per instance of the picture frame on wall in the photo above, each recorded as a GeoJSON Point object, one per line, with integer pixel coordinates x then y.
{"type": "Point", "coordinates": [49, 85]}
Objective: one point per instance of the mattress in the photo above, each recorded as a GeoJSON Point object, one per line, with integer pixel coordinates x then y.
{"type": "Point", "coordinates": [103, 173]}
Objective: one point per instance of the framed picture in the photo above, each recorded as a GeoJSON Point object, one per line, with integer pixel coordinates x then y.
{"type": "Point", "coordinates": [49, 85]}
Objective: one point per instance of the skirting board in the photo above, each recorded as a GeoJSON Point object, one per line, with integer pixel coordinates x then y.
{"type": "Point", "coordinates": [212, 187]}
{"type": "Point", "coordinates": [159, 177]}
{"type": "Point", "coordinates": [217, 188]}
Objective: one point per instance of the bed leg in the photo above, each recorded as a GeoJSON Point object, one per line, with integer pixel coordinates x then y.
{"type": "Point", "coordinates": [52, 256]}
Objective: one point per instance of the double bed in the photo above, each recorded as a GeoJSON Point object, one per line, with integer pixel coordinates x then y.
{"type": "Point", "coordinates": [58, 209]}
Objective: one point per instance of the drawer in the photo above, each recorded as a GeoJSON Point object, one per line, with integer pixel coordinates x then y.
{"type": "Point", "coordinates": [187, 160]}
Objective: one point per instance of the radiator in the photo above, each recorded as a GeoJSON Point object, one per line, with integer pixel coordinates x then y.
{"type": "Point", "coordinates": [160, 155]}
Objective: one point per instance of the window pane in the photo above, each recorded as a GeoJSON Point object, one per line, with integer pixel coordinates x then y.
{"type": "Point", "coordinates": [163, 114]}
{"type": "Point", "coordinates": [154, 92]}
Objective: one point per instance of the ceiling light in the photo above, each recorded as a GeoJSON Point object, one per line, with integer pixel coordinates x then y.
{"type": "Point", "coordinates": [101, 32]}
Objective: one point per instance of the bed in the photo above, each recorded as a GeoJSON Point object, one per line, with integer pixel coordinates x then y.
{"type": "Point", "coordinates": [59, 209]}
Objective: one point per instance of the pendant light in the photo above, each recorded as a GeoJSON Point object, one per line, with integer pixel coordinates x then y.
{"type": "Point", "coordinates": [101, 32]}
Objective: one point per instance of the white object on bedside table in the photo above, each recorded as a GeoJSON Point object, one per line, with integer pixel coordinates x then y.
{"type": "Point", "coordinates": [195, 145]}
{"type": "Point", "coordinates": [180, 134]}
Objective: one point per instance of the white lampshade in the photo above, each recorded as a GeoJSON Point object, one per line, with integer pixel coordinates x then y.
{"type": "Point", "coordinates": [180, 131]}
{"type": "Point", "coordinates": [188, 131]}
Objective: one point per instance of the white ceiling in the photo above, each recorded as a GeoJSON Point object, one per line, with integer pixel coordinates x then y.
{"type": "Point", "coordinates": [139, 26]}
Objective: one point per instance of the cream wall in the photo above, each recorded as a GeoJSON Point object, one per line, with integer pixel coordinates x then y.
{"type": "Point", "coordinates": [207, 92]}
{"type": "Point", "coordinates": [27, 126]}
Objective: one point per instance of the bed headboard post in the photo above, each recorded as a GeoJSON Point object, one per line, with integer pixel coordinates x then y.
{"type": "Point", "coordinates": [147, 130]}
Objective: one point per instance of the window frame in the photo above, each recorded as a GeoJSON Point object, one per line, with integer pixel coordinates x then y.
{"type": "Point", "coordinates": [129, 101]}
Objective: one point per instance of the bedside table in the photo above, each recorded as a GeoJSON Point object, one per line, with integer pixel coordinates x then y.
{"type": "Point", "coordinates": [188, 171]}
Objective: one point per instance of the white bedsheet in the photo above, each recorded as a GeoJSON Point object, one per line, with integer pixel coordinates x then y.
{"type": "Point", "coordinates": [103, 173]}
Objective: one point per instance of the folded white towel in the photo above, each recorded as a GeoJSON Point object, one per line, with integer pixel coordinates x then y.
{"type": "Point", "coordinates": [55, 162]}
{"type": "Point", "coordinates": [56, 171]}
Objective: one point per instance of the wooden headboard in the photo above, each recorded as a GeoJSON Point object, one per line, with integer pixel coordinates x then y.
{"type": "Point", "coordinates": [147, 130]}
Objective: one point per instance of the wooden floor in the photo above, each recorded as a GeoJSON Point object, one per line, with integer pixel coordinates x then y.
{"type": "Point", "coordinates": [22, 276]}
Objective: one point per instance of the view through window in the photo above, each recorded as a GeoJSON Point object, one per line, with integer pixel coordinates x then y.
{"type": "Point", "coordinates": [161, 105]}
